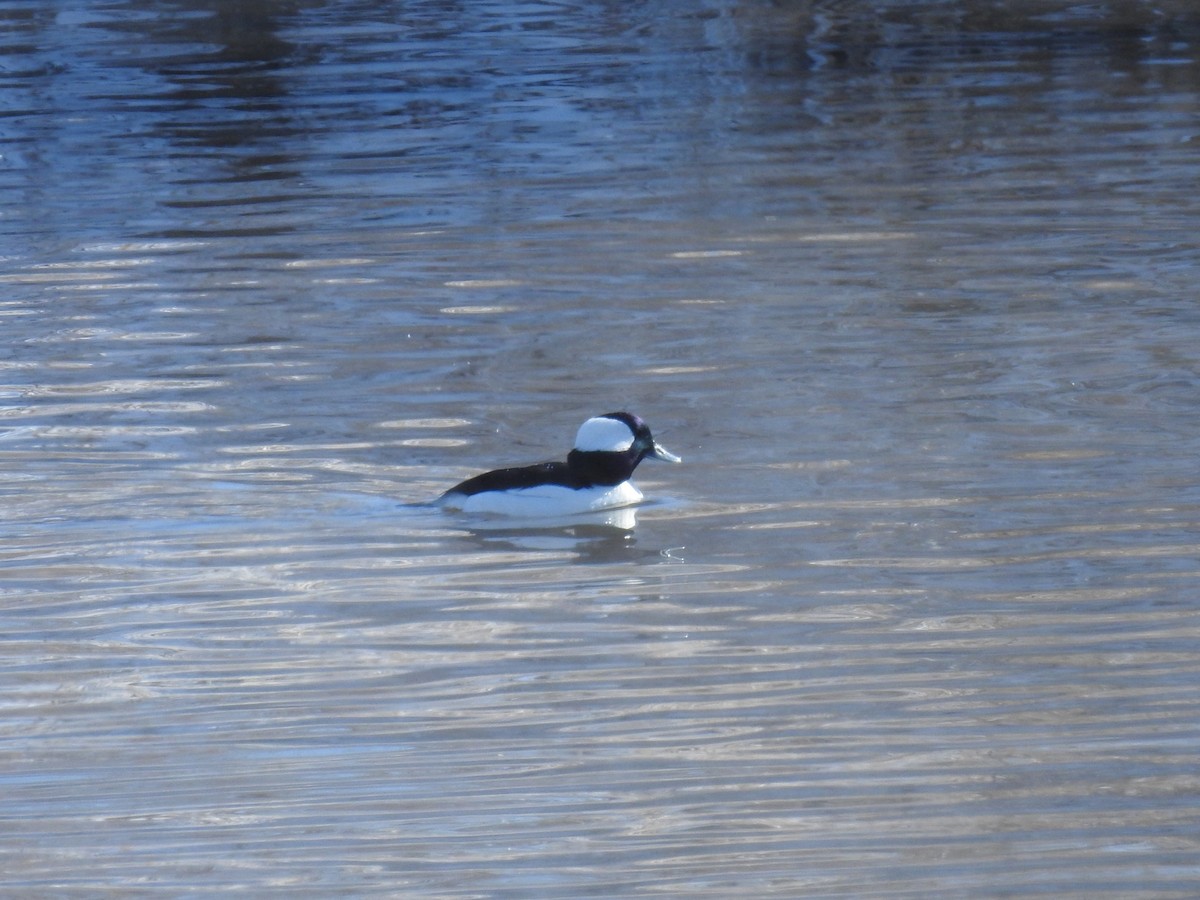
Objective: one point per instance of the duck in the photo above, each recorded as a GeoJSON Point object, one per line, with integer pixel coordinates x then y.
{"type": "Point", "coordinates": [594, 477]}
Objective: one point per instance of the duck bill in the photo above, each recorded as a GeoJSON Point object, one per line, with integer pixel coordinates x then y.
{"type": "Point", "coordinates": [658, 451]}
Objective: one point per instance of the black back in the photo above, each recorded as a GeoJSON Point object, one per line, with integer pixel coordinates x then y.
{"type": "Point", "coordinates": [519, 477]}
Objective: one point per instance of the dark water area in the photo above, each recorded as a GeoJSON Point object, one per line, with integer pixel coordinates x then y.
{"type": "Point", "coordinates": [911, 286]}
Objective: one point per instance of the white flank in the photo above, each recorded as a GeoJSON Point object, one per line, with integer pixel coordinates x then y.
{"type": "Point", "coordinates": [547, 500]}
{"type": "Point", "coordinates": [600, 433]}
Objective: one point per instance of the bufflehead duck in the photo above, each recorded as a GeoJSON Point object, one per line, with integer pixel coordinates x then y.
{"type": "Point", "coordinates": [595, 476]}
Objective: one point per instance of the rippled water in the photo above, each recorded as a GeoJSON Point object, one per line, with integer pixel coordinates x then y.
{"type": "Point", "coordinates": [910, 287]}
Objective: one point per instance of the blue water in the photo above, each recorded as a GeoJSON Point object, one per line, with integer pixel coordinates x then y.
{"type": "Point", "coordinates": [910, 287]}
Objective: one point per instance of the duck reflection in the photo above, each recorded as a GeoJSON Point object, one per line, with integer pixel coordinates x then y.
{"type": "Point", "coordinates": [603, 536]}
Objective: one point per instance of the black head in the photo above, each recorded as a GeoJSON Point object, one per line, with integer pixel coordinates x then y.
{"type": "Point", "coordinates": [609, 447]}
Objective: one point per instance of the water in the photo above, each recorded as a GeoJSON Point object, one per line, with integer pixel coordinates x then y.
{"type": "Point", "coordinates": [910, 287]}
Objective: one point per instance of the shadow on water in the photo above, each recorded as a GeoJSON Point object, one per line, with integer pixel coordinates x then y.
{"type": "Point", "coordinates": [603, 537]}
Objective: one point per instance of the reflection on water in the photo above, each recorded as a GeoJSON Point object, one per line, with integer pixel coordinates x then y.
{"type": "Point", "coordinates": [908, 285]}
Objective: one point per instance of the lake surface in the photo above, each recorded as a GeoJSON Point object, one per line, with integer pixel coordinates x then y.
{"type": "Point", "coordinates": [911, 287]}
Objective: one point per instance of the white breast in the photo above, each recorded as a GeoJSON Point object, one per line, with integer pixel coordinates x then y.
{"type": "Point", "coordinates": [548, 500]}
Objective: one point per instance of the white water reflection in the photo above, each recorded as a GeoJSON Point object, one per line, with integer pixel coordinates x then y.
{"type": "Point", "coordinates": [910, 291]}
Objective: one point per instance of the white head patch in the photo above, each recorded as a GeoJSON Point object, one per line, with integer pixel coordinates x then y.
{"type": "Point", "coordinates": [602, 433]}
